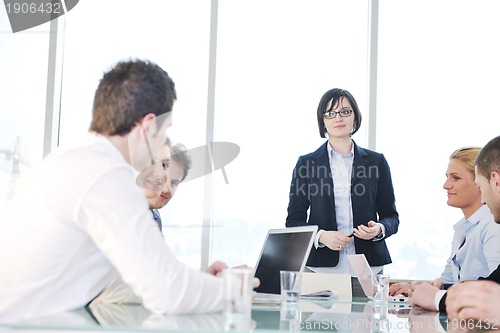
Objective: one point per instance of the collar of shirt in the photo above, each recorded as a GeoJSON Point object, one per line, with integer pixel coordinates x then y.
{"type": "Point", "coordinates": [332, 153]}
{"type": "Point", "coordinates": [466, 226]}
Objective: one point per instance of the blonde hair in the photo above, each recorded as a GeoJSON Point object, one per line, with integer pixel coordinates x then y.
{"type": "Point", "coordinates": [467, 157]}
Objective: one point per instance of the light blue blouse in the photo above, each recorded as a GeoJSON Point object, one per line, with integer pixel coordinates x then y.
{"type": "Point", "coordinates": [480, 254]}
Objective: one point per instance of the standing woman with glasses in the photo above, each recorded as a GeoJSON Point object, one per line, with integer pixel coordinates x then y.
{"type": "Point", "coordinates": [347, 190]}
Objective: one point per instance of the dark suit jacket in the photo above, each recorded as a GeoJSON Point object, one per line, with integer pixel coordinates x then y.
{"type": "Point", "coordinates": [372, 197]}
{"type": "Point", "coordinates": [494, 276]}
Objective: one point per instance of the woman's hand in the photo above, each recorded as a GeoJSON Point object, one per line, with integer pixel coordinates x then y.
{"type": "Point", "coordinates": [401, 288]}
{"type": "Point", "coordinates": [368, 232]}
{"type": "Point", "coordinates": [334, 240]}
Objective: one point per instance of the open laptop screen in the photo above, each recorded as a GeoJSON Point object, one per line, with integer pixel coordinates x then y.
{"type": "Point", "coordinates": [365, 277]}
{"type": "Point", "coordinates": [284, 249]}
{"type": "Point", "coordinates": [363, 272]}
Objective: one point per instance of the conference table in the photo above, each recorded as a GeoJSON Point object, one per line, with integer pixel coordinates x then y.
{"type": "Point", "coordinates": [356, 315]}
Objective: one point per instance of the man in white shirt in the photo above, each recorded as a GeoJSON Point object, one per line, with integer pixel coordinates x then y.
{"type": "Point", "coordinates": [81, 222]}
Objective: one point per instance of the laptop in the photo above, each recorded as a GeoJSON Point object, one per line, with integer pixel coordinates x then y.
{"type": "Point", "coordinates": [366, 278]}
{"type": "Point", "coordinates": [283, 250]}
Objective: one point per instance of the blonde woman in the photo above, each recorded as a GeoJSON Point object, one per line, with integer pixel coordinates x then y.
{"type": "Point", "coordinates": [475, 249]}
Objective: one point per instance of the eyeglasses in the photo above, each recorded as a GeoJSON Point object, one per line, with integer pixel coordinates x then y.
{"type": "Point", "coordinates": [332, 114]}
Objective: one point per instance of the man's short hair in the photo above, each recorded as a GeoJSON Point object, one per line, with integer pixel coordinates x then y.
{"type": "Point", "coordinates": [488, 159]}
{"type": "Point", "coordinates": [128, 92]}
{"type": "Point", "coordinates": [180, 155]}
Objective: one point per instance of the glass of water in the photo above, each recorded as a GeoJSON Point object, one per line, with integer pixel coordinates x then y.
{"type": "Point", "coordinates": [291, 283]}
{"type": "Point", "coordinates": [381, 288]}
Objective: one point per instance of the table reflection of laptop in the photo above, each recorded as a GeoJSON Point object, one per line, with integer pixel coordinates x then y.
{"type": "Point", "coordinates": [366, 278]}
{"type": "Point", "coordinates": [284, 249]}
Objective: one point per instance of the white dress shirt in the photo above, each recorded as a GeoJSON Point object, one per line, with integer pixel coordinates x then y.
{"type": "Point", "coordinates": [80, 224]}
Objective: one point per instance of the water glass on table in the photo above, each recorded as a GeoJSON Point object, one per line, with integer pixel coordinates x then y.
{"type": "Point", "coordinates": [381, 288]}
{"type": "Point", "coordinates": [238, 284]}
{"type": "Point", "coordinates": [291, 283]}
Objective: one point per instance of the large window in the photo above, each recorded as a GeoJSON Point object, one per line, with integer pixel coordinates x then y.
{"type": "Point", "coordinates": [439, 78]}
{"type": "Point", "coordinates": [273, 66]}
{"type": "Point", "coordinates": [173, 34]}
{"type": "Point", "coordinates": [23, 89]}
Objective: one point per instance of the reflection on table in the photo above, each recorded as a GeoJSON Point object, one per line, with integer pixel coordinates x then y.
{"type": "Point", "coordinates": [304, 316]}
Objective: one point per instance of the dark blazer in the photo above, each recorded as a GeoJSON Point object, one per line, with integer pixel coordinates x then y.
{"type": "Point", "coordinates": [494, 276]}
{"type": "Point", "coordinates": [372, 197]}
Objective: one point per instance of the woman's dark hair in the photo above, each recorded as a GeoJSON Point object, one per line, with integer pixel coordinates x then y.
{"type": "Point", "coordinates": [335, 95]}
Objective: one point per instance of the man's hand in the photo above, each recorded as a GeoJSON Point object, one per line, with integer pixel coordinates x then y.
{"type": "Point", "coordinates": [256, 282]}
{"type": "Point", "coordinates": [423, 296]}
{"type": "Point", "coordinates": [216, 268]}
{"type": "Point", "coordinates": [438, 283]}
{"type": "Point", "coordinates": [479, 300]}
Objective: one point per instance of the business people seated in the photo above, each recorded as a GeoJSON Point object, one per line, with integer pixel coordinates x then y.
{"type": "Point", "coordinates": [90, 223]}
{"type": "Point", "coordinates": [155, 181]}
{"type": "Point", "coordinates": [475, 249]}
{"type": "Point", "coordinates": [472, 300]}
{"type": "Point", "coordinates": [174, 170]}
